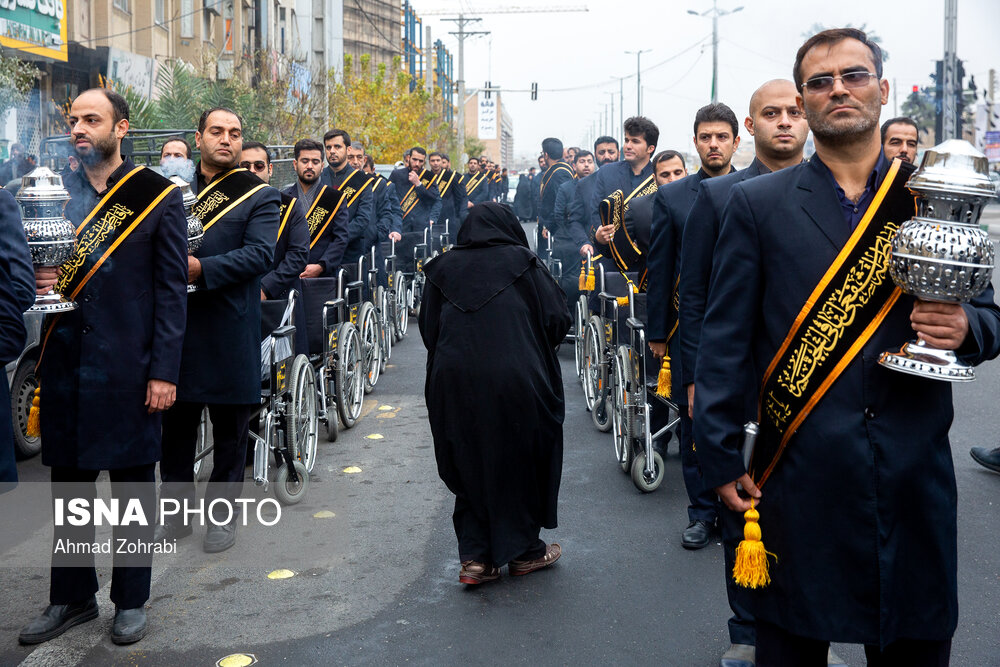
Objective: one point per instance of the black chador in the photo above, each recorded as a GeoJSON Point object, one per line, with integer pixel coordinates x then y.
{"type": "Point", "coordinates": [486, 338]}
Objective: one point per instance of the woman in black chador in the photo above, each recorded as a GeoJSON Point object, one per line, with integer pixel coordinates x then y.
{"type": "Point", "coordinates": [491, 319]}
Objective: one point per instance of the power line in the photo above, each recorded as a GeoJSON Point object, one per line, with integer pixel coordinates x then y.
{"type": "Point", "coordinates": [604, 84]}
{"type": "Point", "coordinates": [683, 76]}
{"type": "Point", "coordinates": [377, 29]}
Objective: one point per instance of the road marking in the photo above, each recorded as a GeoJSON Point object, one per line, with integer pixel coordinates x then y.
{"type": "Point", "coordinates": [374, 436]}
{"type": "Point", "coordinates": [237, 660]}
{"type": "Point", "coordinates": [281, 574]}
{"type": "Point", "coordinates": [324, 514]}
{"type": "Point", "coordinates": [350, 470]}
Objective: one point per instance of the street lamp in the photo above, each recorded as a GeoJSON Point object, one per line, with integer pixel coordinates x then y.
{"type": "Point", "coordinates": [638, 80]}
{"type": "Point", "coordinates": [715, 13]}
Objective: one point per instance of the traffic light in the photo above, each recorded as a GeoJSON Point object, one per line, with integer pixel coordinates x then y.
{"type": "Point", "coordinates": [534, 91]}
{"type": "Point", "coordinates": [489, 93]}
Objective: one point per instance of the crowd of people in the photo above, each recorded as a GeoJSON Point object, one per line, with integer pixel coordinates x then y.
{"type": "Point", "coordinates": [768, 298]}
{"type": "Point", "coordinates": [741, 269]}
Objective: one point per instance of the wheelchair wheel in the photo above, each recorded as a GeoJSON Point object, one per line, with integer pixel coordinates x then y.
{"type": "Point", "coordinates": [639, 478]}
{"type": "Point", "coordinates": [402, 317]}
{"type": "Point", "coordinates": [579, 323]}
{"type": "Point", "coordinates": [601, 412]}
{"type": "Point", "coordinates": [371, 349]}
{"type": "Point", "coordinates": [287, 491]}
{"type": "Point", "coordinates": [350, 375]}
{"type": "Point", "coordinates": [592, 343]}
{"type": "Point", "coordinates": [384, 325]}
{"type": "Point", "coordinates": [303, 436]}
{"type": "Point", "coordinates": [201, 448]}
{"type": "Point", "coordinates": [620, 382]}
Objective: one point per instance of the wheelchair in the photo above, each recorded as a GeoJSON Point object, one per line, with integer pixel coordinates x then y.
{"type": "Point", "coordinates": [380, 300]}
{"type": "Point", "coordinates": [360, 301]}
{"type": "Point", "coordinates": [630, 408]}
{"type": "Point", "coordinates": [287, 413]}
{"type": "Point", "coordinates": [415, 280]}
{"type": "Point", "coordinates": [340, 365]}
{"type": "Point", "coordinates": [600, 339]}
{"type": "Point", "coordinates": [581, 313]}
{"type": "Point", "coordinates": [397, 294]}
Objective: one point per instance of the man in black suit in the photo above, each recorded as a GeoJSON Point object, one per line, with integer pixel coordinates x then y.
{"type": "Point", "coordinates": [779, 130]}
{"type": "Point", "coordinates": [326, 212]}
{"type": "Point", "coordinates": [852, 469]}
{"type": "Point", "coordinates": [716, 138]}
{"type": "Point", "coordinates": [356, 186]}
{"type": "Point", "coordinates": [220, 367]}
{"type": "Point", "coordinates": [555, 175]}
{"type": "Point", "coordinates": [418, 195]}
{"type": "Point", "coordinates": [17, 293]}
{"type": "Point", "coordinates": [109, 368]}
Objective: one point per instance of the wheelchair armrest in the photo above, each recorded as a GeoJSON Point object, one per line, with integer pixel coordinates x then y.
{"type": "Point", "coordinates": [634, 324]}
{"type": "Point", "coordinates": [338, 306]}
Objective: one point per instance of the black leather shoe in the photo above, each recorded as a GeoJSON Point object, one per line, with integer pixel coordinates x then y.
{"type": "Point", "coordinates": [171, 530]}
{"type": "Point", "coordinates": [57, 619]}
{"type": "Point", "coordinates": [988, 458]}
{"type": "Point", "coordinates": [129, 626]}
{"type": "Point", "coordinates": [220, 538]}
{"type": "Point", "coordinates": [696, 535]}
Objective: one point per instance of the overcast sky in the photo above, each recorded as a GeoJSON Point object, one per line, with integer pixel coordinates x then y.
{"type": "Point", "coordinates": [584, 51]}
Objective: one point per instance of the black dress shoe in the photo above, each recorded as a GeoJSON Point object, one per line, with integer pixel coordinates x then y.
{"type": "Point", "coordinates": [57, 619]}
{"type": "Point", "coordinates": [171, 530]}
{"type": "Point", "coordinates": [129, 626]}
{"type": "Point", "coordinates": [988, 458]}
{"type": "Point", "coordinates": [220, 538]}
{"type": "Point", "coordinates": [696, 535]}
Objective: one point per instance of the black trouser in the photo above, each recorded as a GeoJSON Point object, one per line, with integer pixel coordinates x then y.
{"type": "Point", "coordinates": [230, 428]}
{"type": "Point", "coordinates": [778, 648]}
{"type": "Point", "coordinates": [703, 503]}
{"type": "Point", "coordinates": [474, 536]}
{"type": "Point", "coordinates": [73, 576]}
{"type": "Point", "coordinates": [741, 624]}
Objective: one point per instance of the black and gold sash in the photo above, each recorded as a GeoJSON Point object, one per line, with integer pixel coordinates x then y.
{"type": "Point", "coordinates": [475, 180]}
{"type": "Point", "coordinates": [285, 211]}
{"type": "Point", "coordinates": [427, 179]}
{"type": "Point", "coordinates": [613, 209]}
{"type": "Point", "coordinates": [110, 222]}
{"type": "Point", "coordinates": [445, 181]}
{"type": "Point", "coordinates": [354, 185]}
{"type": "Point", "coordinates": [224, 194]}
{"type": "Point", "coordinates": [551, 171]}
{"type": "Point", "coordinates": [323, 210]}
{"type": "Point", "coordinates": [841, 314]}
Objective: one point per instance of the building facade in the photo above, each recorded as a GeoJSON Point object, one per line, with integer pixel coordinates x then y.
{"type": "Point", "coordinates": [487, 119]}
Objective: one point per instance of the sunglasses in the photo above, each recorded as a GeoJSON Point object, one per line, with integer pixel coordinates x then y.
{"type": "Point", "coordinates": [824, 84]}
{"type": "Point", "coordinates": [257, 165]}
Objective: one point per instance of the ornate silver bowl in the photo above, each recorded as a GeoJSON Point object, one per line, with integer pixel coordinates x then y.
{"type": "Point", "coordinates": [941, 254]}
{"type": "Point", "coordinates": [51, 237]}
{"type": "Point", "coordinates": [195, 231]}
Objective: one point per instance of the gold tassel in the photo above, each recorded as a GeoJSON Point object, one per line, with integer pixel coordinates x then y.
{"type": "Point", "coordinates": [750, 569]}
{"type": "Point", "coordinates": [591, 280]}
{"type": "Point", "coordinates": [664, 380]}
{"type": "Point", "coordinates": [622, 301]}
{"type": "Point", "coordinates": [583, 277]}
{"type": "Point", "coordinates": [34, 426]}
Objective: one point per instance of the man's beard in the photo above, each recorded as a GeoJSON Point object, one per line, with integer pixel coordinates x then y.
{"type": "Point", "coordinates": [605, 160]}
{"type": "Point", "coordinates": [308, 180]}
{"type": "Point", "coordinates": [336, 165]}
{"type": "Point", "coordinates": [100, 150]}
{"type": "Point", "coordinates": [844, 132]}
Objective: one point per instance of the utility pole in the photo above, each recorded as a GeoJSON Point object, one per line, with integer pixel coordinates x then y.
{"type": "Point", "coordinates": [462, 33]}
{"type": "Point", "coordinates": [715, 13]}
{"type": "Point", "coordinates": [991, 96]}
{"type": "Point", "coordinates": [949, 67]}
{"type": "Point", "coordinates": [638, 80]}
{"type": "Point", "coordinates": [429, 71]}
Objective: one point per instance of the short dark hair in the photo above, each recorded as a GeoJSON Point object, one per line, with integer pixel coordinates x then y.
{"type": "Point", "coordinates": [531, 169]}
{"type": "Point", "coordinates": [444, 156]}
{"type": "Point", "coordinates": [899, 120]}
{"type": "Point", "coordinates": [248, 145]}
{"type": "Point", "coordinates": [553, 148]}
{"type": "Point", "coordinates": [606, 140]}
{"type": "Point", "coordinates": [369, 161]}
{"type": "Point", "coordinates": [203, 120]}
{"type": "Point", "coordinates": [418, 149]}
{"type": "Point", "coordinates": [474, 158]}
{"type": "Point", "coordinates": [831, 37]}
{"type": "Point", "coordinates": [337, 133]}
{"type": "Point", "coordinates": [642, 126]}
{"type": "Point", "coordinates": [717, 112]}
{"type": "Point", "coordinates": [666, 155]}
{"type": "Point", "coordinates": [119, 107]}
{"type": "Point", "coordinates": [187, 146]}
{"type": "Point", "coordinates": [582, 154]}
{"type": "Point", "coordinates": [307, 145]}
{"type": "Point", "coordinates": [436, 154]}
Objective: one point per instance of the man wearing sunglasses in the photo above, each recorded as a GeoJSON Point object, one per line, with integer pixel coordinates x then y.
{"type": "Point", "coordinates": [851, 468]}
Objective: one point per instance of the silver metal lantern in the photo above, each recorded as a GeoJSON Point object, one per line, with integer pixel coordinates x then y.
{"type": "Point", "coordinates": [195, 231]}
{"type": "Point", "coordinates": [51, 237]}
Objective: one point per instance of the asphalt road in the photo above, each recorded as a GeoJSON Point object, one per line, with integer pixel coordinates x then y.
{"type": "Point", "coordinates": [377, 583]}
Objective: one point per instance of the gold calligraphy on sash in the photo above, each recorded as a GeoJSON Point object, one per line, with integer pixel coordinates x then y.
{"type": "Point", "coordinates": [285, 212]}
{"type": "Point", "coordinates": [410, 200]}
{"type": "Point", "coordinates": [225, 193]}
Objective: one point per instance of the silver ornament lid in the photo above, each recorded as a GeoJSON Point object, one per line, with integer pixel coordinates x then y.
{"type": "Point", "coordinates": [42, 185]}
{"type": "Point", "coordinates": [953, 167]}
{"type": "Point", "coordinates": [187, 194]}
